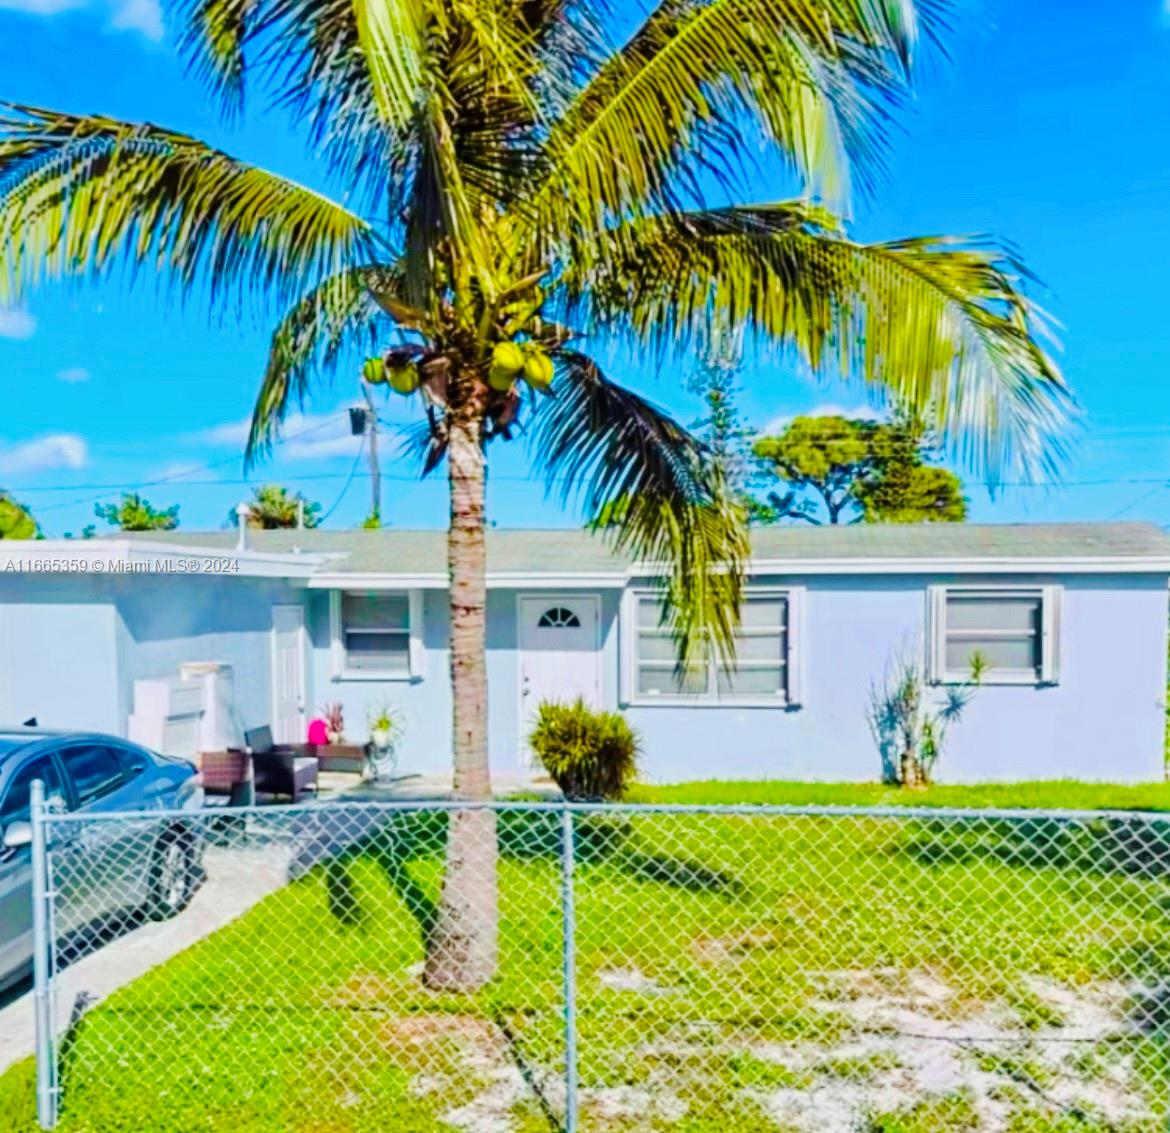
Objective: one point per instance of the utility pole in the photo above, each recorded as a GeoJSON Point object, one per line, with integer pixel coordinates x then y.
{"type": "Point", "coordinates": [372, 448]}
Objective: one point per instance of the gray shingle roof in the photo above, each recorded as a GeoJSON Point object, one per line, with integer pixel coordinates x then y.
{"type": "Point", "coordinates": [400, 551]}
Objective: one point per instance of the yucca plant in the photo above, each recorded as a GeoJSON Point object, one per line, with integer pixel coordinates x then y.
{"type": "Point", "coordinates": [547, 176]}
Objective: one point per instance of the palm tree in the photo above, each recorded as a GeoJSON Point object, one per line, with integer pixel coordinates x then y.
{"type": "Point", "coordinates": [274, 506]}
{"type": "Point", "coordinates": [527, 171]}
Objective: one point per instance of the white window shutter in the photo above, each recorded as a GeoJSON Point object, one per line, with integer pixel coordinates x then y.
{"type": "Point", "coordinates": [1050, 635]}
{"type": "Point", "coordinates": [936, 634]}
{"type": "Point", "coordinates": [796, 650]}
{"type": "Point", "coordinates": [336, 644]}
{"type": "Point", "coordinates": [628, 645]}
{"type": "Point", "coordinates": [418, 653]}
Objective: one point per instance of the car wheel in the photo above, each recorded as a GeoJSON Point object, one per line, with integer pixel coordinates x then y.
{"type": "Point", "coordinates": [172, 874]}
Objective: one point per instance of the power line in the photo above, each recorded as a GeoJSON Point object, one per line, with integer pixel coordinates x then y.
{"type": "Point", "coordinates": [138, 485]}
{"type": "Point", "coordinates": [181, 480]}
{"type": "Point", "coordinates": [348, 482]}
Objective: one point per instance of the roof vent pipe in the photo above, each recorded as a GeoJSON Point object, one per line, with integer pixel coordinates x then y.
{"type": "Point", "coordinates": [242, 513]}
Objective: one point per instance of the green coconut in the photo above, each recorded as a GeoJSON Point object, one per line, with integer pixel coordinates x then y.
{"type": "Point", "coordinates": [373, 371]}
{"type": "Point", "coordinates": [507, 356]}
{"type": "Point", "coordinates": [404, 379]}
{"type": "Point", "coordinates": [538, 369]}
{"type": "Point", "coordinates": [501, 379]}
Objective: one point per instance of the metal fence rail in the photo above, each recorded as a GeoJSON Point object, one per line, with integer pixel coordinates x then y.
{"type": "Point", "coordinates": [888, 970]}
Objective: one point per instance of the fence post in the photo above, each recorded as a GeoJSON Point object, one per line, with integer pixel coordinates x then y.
{"type": "Point", "coordinates": [42, 962]}
{"type": "Point", "coordinates": [569, 954]}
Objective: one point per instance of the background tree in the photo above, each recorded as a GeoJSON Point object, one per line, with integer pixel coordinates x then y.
{"type": "Point", "coordinates": [16, 521]}
{"type": "Point", "coordinates": [722, 427]}
{"type": "Point", "coordinates": [835, 469]}
{"type": "Point", "coordinates": [523, 181]}
{"type": "Point", "coordinates": [902, 487]}
{"type": "Point", "coordinates": [273, 506]}
{"type": "Point", "coordinates": [134, 513]}
{"type": "Point", "coordinates": [820, 461]}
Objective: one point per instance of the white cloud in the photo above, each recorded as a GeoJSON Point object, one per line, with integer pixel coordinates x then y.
{"type": "Point", "coordinates": [854, 412]}
{"type": "Point", "coordinates": [142, 16]}
{"type": "Point", "coordinates": [322, 449]}
{"type": "Point", "coordinates": [179, 470]}
{"type": "Point", "coordinates": [55, 450]}
{"type": "Point", "coordinates": [73, 374]}
{"type": "Point", "coordinates": [15, 323]}
{"type": "Point", "coordinates": [306, 436]}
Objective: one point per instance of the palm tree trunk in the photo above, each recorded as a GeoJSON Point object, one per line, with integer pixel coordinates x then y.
{"type": "Point", "coordinates": [461, 953]}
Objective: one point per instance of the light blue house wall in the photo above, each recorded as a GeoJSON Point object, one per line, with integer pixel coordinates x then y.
{"type": "Point", "coordinates": [217, 618]}
{"type": "Point", "coordinates": [58, 647]}
{"type": "Point", "coordinates": [1104, 719]}
{"type": "Point", "coordinates": [71, 647]}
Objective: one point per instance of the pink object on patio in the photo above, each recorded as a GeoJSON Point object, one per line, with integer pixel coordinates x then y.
{"type": "Point", "coordinates": [318, 732]}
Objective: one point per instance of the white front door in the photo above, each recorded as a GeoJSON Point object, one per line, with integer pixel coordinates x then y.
{"type": "Point", "coordinates": [288, 674]}
{"type": "Point", "coordinates": [560, 653]}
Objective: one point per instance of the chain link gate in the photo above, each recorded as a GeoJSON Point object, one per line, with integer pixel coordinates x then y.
{"type": "Point", "coordinates": [790, 969]}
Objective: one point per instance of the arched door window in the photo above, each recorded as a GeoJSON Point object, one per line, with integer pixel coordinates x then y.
{"type": "Point", "coordinates": [559, 617]}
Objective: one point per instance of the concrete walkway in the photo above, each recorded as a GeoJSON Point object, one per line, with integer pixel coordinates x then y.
{"type": "Point", "coordinates": [236, 879]}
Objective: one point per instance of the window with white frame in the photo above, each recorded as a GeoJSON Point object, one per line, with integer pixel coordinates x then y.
{"type": "Point", "coordinates": [376, 635]}
{"type": "Point", "coordinates": [764, 672]}
{"type": "Point", "coordinates": [1014, 630]}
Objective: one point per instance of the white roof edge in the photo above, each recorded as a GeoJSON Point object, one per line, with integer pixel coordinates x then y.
{"type": "Point", "coordinates": [581, 579]}
{"type": "Point", "coordinates": [319, 568]}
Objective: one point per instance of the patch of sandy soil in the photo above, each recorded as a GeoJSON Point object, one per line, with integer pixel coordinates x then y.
{"type": "Point", "coordinates": [904, 1039]}
{"type": "Point", "coordinates": [913, 1039]}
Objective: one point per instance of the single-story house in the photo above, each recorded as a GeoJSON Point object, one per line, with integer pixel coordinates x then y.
{"type": "Point", "coordinates": [1072, 620]}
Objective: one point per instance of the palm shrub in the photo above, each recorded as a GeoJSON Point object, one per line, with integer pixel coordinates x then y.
{"type": "Point", "coordinates": [522, 185]}
{"type": "Point", "coordinates": [588, 753]}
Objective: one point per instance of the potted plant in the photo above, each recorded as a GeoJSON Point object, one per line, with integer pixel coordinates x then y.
{"type": "Point", "coordinates": [385, 729]}
{"type": "Point", "coordinates": [334, 722]}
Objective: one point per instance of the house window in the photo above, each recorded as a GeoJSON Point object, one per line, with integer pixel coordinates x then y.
{"type": "Point", "coordinates": [1013, 629]}
{"type": "Point", "coordinates": [559, 617]}
{"type": "Point", "coordinates": [765, 652]}
{"type": "Point", "coordinates": [376, 635]}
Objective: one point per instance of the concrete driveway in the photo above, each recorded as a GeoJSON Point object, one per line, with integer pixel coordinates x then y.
{"type": "Point", "coordinates": [236, 878]}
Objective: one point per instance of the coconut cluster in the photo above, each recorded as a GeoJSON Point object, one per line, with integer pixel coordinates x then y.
{"type": "Point", "coordinates": [510, 362]}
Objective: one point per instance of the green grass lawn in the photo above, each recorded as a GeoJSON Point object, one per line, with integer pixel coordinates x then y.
{"type": "Point", "coordinates": [741, 973]}
{"type": "Point", "coordinates": [1056, 795]}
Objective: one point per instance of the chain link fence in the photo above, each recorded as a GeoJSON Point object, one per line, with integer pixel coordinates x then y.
{"type": "Point", "coordinates": [804, 970]}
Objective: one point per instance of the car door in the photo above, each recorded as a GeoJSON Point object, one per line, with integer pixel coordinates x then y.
{"type": "Point", "coordinates": [16, 864]}
{"type": "Point", "coordinates": [108, 860]}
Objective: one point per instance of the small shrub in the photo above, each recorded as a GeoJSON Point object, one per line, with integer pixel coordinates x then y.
{"type": "Point", "coordinates": [908, 727]}
{"type": "Point", "coordinates": [589, 754]}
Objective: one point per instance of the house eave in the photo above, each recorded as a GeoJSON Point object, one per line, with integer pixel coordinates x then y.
{"type": "Point", "coordinates": [788, 568]}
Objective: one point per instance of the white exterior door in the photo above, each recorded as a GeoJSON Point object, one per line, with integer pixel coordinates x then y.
{"type": "Point", "coordinates": [288, 674]}
{"type": "Point", "coordinates": [560, 653]}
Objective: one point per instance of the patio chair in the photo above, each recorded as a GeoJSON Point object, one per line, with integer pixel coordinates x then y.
{"type": "Point", "coordinates": [278, 769]}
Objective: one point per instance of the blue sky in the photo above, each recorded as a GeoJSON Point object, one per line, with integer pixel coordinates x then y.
{"type": "Point", "coordinates": [1048, 126]}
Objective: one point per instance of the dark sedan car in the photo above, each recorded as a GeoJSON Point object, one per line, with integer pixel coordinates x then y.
{"type": "Point", "coordinates": [102, 869]}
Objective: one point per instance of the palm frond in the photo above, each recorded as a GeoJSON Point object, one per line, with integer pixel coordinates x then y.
{"type": "Point", "coordinates": [344, 310]}
{"type": "Point", "coordinates": [78, 193]}
{"type": "Point", "coordinates": [358, 72]}
{"type": "Point", "coordinates": [692, 79]}
{"type": "Point", "coordinates": [944, 325]}
{"type": "Point", "coordinates": [607, 446]}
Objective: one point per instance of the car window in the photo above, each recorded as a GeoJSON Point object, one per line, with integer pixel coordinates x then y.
{"type": "Point", "coordinates": [15, 806]}
{"type": "Point", "coordinates": [133, 761]}
{"type": "Point", "coordinates": [94, 770]}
